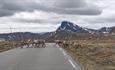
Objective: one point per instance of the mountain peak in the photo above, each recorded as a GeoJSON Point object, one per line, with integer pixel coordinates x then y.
{"type": "Point", "coordinates": [67, 23]}
{"type": "Point", "coordinates": [69, 26]}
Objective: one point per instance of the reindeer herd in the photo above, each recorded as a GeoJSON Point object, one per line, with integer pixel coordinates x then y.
{"type": "Point", "coordinates": [68, 44]}
{"type": "Point", "coordinates": [33, 44]}
{"type": "Point", "coordinates": [40, 43]}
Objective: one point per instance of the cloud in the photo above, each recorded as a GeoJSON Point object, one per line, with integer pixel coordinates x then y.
{"type": "Point", "coordinates": [80, 7]}
{"type": "Point", "coordinates": [46, 15]}
{"type": "Point", "coordinates": [70, 3]}
{"type": "Point", "coordinates": [37, 21]}
{"type": "Point", "coordinates": [24, 27]}
{"type": "Point", "coordinates": [38, 17]}
{"type": "Point", "coordinates": [74, 7]}
{"type": "Point", "coordinates": [103, 19]}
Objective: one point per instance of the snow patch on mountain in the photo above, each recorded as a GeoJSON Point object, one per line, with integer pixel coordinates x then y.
{"type": "Point", "coordinates": [69, 26]}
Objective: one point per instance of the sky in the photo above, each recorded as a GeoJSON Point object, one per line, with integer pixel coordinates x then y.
{"type": "Point", "coordinates": [46, 15]}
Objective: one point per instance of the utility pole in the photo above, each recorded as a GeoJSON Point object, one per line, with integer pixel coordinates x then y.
{"type": "Point", "coordinates": [11, 36]}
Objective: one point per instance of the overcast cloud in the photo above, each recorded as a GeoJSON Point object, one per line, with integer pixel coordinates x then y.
{"type": "Point", "coordinates": [8, 7]}
{"type": "Point", "coordinates": [46, 15]}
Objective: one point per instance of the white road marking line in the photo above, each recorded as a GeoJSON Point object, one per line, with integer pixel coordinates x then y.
{"type": "Point", "coordinates": [66, 56]}
{"type": "Point", "coordinates": [64, 53]}
{"type": "Point", "coordinates": [72, 63]}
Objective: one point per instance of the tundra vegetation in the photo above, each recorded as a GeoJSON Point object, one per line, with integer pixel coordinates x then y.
{"type": "Point", "coordinates": [7, 45]}
{"type": "Point", "coordinates": [92, 53]}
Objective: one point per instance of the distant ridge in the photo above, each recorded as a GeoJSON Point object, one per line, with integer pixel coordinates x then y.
{"type": "Point", "coordinates": [69, 26]}
{"type": "Point", "coordinates": [66, 29]}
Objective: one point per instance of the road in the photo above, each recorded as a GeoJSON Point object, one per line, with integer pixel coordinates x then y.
{"type": "Point", "coordinates": [50, 58]}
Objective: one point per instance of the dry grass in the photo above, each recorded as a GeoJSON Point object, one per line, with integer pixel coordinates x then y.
{"type": "Point", "coordinates": [94, 54]}
{"type": "Point", "coordinates": [7, 45]}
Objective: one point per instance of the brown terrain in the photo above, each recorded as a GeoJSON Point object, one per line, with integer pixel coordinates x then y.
{"type": "Point", "coordinates": [7, 45]}
{"type": "Point", "coordinates": [92, 53]}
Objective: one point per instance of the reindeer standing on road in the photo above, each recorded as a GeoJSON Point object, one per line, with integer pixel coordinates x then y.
{"type": "Point", "coordinates": [39, 43]}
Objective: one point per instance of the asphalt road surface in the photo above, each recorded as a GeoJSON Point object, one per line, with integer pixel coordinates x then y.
{"type": "Point", "coordinates": [50, 58]}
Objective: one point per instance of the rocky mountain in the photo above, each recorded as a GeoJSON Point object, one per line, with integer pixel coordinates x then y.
{"type": "Point", "coordinates": [71, 27]}
{"type": "Point", "coordinates": [19, 36]}
{"type": "Point", "coordinates": [112, 29]}
{"type": "Point", "coordinates": [67, 29]}
{"type": "Point", "coordinates": [104, 30]}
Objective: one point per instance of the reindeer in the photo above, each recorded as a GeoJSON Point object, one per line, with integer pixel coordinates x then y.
{"type": "Point", "coordinates": [39, 43]}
